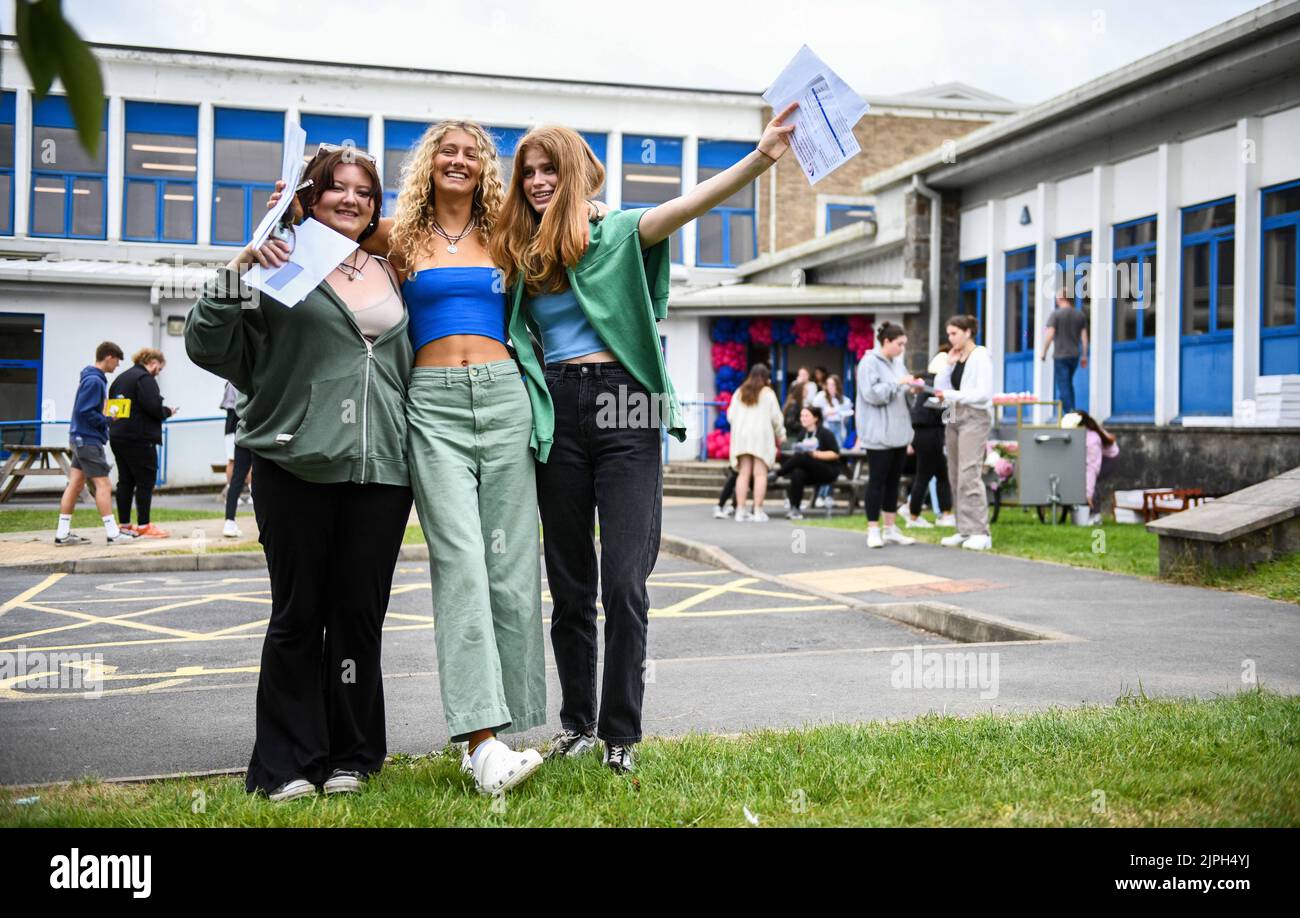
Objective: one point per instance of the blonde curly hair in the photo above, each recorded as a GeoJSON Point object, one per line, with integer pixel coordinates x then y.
{"type": "Point", "coordinates": [412, 233]}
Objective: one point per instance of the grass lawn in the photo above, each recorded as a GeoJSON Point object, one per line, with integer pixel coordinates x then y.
{"type": "Point", "coordinates": [1232, 761]}
{"type": "Point", "coordinates": [26, 520]}
{"type": "Point", "coordinates": [1122, 548]}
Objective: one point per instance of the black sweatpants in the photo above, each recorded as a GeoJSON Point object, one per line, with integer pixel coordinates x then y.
{"type": "Point", "coordinates": [802, 469]}
{"type": "Point", "coordinates": [884, 467]}
{"type": "Point", "coordinates": [330, 550]}
{"type": "Point", "coordinates": [243, 462]}
{"type": "Point", "coordinates": [927, 443]}
{"type": "Point", "coordinates": [137, 470]}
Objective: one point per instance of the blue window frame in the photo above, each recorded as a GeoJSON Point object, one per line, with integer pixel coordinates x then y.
{"type": "Point", "coordinates": [247, 148]}
{"type": "Point", "coordinates": [400, 138]}
{"type": "Point", "coordinates": [7, 116]}
{"type": "Point", "coordinates": [1072, 254]}
{"type": "Point", "coordinates": [972, 291]}
{"type": "Point", "coordinates": [161, 164]}
{"type": "Point", "coordinates": [652, 175]}
{"type": "Point", "coordinates": [1133, 358]}
{"type": "Point", "coordinates": [1020, 284]}
{"type": "Point", "coordinates": [69, 186]}
{"type": "Point", "coordinates": [22, 350]}
{"type": "Point", "coordinates": [336, 129]}
{"type": "Point", "coordinates": [1279, 299]}
{"type": "Point", "coordinates": [506, 139]}
{"type": "Point", "coordinates": [839, 216]}
{"type": "Point", "coordinates": [727, 235]}
{"type": "Point", "coordinates": [1205, 307]}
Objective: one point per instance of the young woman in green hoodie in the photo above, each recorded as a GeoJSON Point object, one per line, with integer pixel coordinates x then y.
{"type": "Point", "coordinates": [591, 296]}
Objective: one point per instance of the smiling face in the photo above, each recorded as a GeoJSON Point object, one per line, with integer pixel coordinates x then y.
{"type": "Point", "coordinates": [457, 164]}
{"type": "Point", "coordinates": [347, 204]}
{"type": "Point", "coordinates": [539, 178]}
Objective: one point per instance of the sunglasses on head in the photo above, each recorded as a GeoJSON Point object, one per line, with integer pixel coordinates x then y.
{"type": "Point", "coordinates": [355, 150]}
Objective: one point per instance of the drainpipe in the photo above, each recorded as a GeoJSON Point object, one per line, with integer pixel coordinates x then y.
{"type": "Point", "coordinates": [155, 301]}
{"type": "Point", "coordinates": [935, 239]}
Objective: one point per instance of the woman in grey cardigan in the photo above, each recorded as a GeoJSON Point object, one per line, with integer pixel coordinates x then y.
{"type": "Point", "coordinates": [884, 422]}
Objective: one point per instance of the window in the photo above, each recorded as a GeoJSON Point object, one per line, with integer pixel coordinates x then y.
{"type": "Point", "coordinates": [1072, 253]}
{"type": "Point", "coordinates": [839, 216]}
{"type": "Point", "coordinates": [652, 175]}
{"type": "Point", "coordinates": [21, 349]}
{"type": "Point", "coordinates": [400, 138]}
{"type": "Point", "coordinates": [247, 149]}
{"type": "Point", "coordinates": [161, 165]}
{"type": "Point", "coordinates": [973, 283]}
{"type": "Point", "coordinates": [1208, 231]}
{"type": "Point", "coordinates": [506, 140]}
{"type": "Point", "coordinates": [726, 235]}
{"type": "Point", "coordinates": [1135, 280]}
{"type": "Point", "coordinates": [1280, 334]}
{"type": "Point", "coordinates": [336, 129]}
{"type": "Point", "coordinates": [1020, 286]}
{"type": "Point", "coordinates": [68, 196]}
{"type": "Point", "coordinates": [7, 163]}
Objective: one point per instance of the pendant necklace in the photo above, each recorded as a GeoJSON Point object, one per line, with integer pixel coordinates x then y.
{"type": "Point", "coordinates": [452, 240]}
{"type": "Point", "coordinates": [353, 271]}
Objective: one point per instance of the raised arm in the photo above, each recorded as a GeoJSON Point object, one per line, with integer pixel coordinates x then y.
{"type": "Point", "coordinates": [664, 220]}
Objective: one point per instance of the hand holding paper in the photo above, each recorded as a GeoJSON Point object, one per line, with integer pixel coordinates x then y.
{"type": "Point", "coordinates": [828, 109]}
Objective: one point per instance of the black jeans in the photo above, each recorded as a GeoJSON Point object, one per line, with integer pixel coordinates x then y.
{"type": "Point", "coordinates": [884, 466]}
{"type": "Point", "coordinates": [927, 443]}
{"type": "Point", "coordinates": [137, 470]}
{"type": "Point", "coordinates": [603, 463]}
{"type": "Point", "coordinates": [803, 469]}
{"type": "Point", "coordinates": [243, 462]}
{"type": "Point", "coordinates": [330, 550]}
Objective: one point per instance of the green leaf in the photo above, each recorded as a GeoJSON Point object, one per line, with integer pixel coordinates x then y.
{"type": "Point", "coordinates": [79, 72]}
{"type": "Point", "coordinates": [37, 27]}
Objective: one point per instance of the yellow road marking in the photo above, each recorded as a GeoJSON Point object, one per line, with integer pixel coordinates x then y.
{"type": "Point", "coordinates": [710, 593]}
{"type": "Point", "coordinates": [25, 595]}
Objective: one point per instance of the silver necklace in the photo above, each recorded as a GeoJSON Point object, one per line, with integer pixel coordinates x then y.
{"type": "Point", "coordinates": [352, 271]}
{"type": "Point", "coordinates": [452, 240]}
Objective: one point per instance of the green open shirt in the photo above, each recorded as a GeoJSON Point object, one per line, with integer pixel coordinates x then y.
{"type": "Point", "coordinates": [623, 291]}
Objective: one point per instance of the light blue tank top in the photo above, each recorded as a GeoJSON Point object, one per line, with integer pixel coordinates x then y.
{"type": "Point", "coordinates": [565, 330]}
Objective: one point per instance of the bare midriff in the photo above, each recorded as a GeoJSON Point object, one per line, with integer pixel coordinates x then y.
{"type": "Point", "coordinates": [598, 357]}
{"type": "Point", "coordinates": [460, 351]}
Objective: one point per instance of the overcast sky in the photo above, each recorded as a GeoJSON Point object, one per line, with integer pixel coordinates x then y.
{"type": "Point", "coordinates": [1024, 50]}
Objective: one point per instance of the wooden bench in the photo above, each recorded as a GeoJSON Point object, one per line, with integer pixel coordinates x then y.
{"type": "Point", "coordinates": [27, 460]}
{"type": "Point", "coordinates": [1250, 526]}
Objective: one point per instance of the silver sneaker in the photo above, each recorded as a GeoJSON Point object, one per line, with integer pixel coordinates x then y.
{"type": "Point", "coordinates": [620, 758]}
{"type": "Point", "coordinates": [71, 539]}
{"type": "Point", "coordinates": [570, 744]}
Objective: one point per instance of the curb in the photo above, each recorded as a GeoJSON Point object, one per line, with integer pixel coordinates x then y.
{"type": "Point", "coordinates": [158, 564]}
{"type": "Point", "coordinates": [940, 618]}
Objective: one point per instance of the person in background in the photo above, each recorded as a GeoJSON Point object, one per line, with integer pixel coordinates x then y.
{"type": "Point", "coordinates": [927, 447]}
{"type": "Point", "coordinates": [815, 460]}
{"type": "Point", "coordinates": [727, 496]}
{"type": "Point", "coordinates": [135, 440]}
{"type": "Point", "coordinates": [794, 402]}
{"type": "Point", "coordinates": [756, 424]}
{"type": "Point", "coordinates": [1099, 444]}
{"type": "Point", "coordinates": [815, 385]}
{"type": "Point", "coordinates": [87, 436]}
{"type": "Point", "coordinates": [239, 464]}
{"type": "Point", "coordinates": [836, 410]}
{"type": "Point", "coordinates": [965, 386]}
{"type": "Point", "coordinates": [1067, 329]}
{"type": "Point", "coordinates": [884, 429]}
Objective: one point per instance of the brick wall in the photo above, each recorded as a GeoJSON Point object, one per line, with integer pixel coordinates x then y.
{"type": "Point", "coordinates": [886, 140]}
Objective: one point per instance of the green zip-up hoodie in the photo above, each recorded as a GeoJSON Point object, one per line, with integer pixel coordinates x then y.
{"type": "Point", "coordinates": [318, 398]}
{"type": "Point", "coordinates": [623, 292]}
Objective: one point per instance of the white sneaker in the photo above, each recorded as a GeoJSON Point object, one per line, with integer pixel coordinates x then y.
{"type": "Point", "coordinates": [292, 790]}
{"type": "Point", "coordinates": [892, 534]}
{"type": "Point", "coordinates": [343, 782]}
{"type": "Point", "coordinates": [231, 530]}
{"type": "Point", "coordinates": [793, 514]}
{"type": "Point", "coordinates": [721, 513]}
{"type": "Point", "coordinates": [947, 521]}
{"type": "Point", "coordinates": [787, 503]}
{"type": "Point", "coordinates": [499, 768]}
{"type": "Point", "coordinates": [874, 538]}
{"type": "Point", "coordinates": [758, 517]}
{"type": "Point", "coordinates": [915, 522]}
{"type": "Point", "coordinates": [954, 540]}
{"type": "Point", "coordinates": [742, 516]}
{"type": "Point", "coordinates": [978, 543]}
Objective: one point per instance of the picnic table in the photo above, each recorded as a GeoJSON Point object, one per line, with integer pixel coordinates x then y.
{"type": "Point", "coordinates": [26, 459]}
